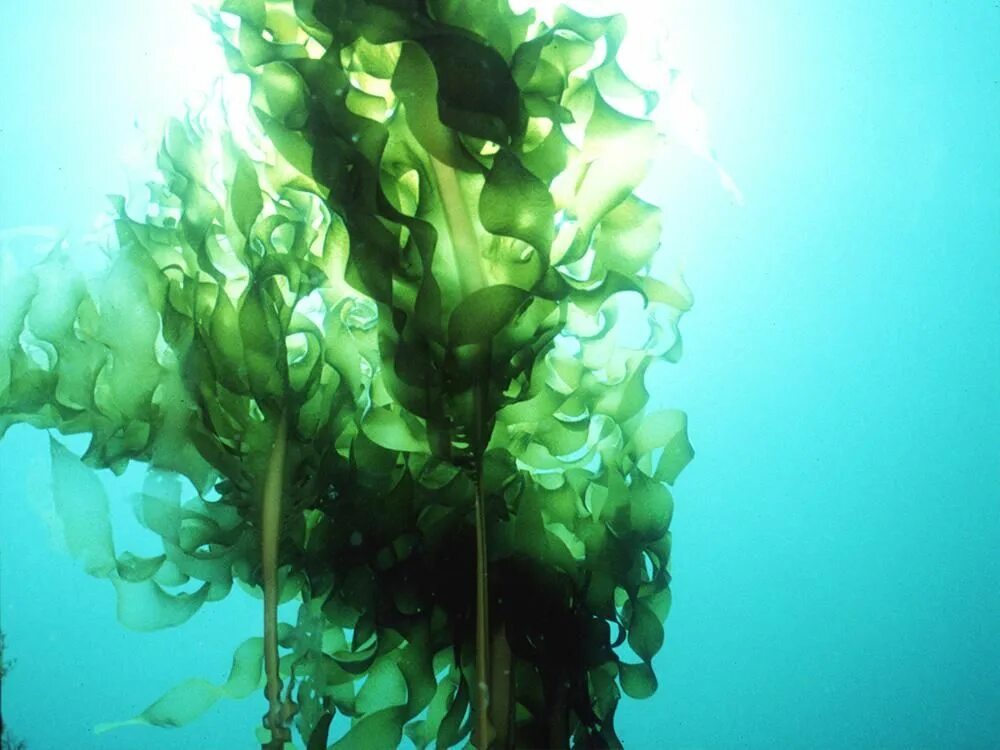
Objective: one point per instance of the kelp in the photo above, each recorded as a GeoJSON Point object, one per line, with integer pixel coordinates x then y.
{"type": "Point", "coordinates": [381, 332]}
{"type": "Point", "coordinates": [7, 740]}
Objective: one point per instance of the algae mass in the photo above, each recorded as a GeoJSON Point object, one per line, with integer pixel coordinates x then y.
{"type": "Point", "coordinates": [379, 332]}
{"type": "Point", "coordinates": [7, 740]}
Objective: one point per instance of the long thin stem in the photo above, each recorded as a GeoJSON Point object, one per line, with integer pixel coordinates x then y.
{"type": "Point", "coordinates": [465, 246]}
{"type": "Point", "coordinates": [501, 686]}
{"type": "Point", "coordinates": [558, 706]}
{"type": "Point", "coordinates": [469, 269]}
{"type": "Point", "coordinates": [482, 621]}
{"type": "Point", "coordinates": [269, 532]}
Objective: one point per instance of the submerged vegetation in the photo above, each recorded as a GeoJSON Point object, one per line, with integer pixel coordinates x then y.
{"type": "Point", "coordinates": [379, 331]}
{"type": "Point", "coordinates": [7, 740]}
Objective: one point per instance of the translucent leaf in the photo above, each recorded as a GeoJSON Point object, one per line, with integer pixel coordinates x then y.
{"type": "Point", "coordinates": [645, 634]}
{"type": "Point", "coordinates": [381, 730]}
{"type": "Point", "coordinates": [191, 699]}
{"type": "Point", "coordinates": [629, 235]}
{"type": "Point", "coordinates": [638, 680]}
{"type": "Point", "coordinates": [384, 688]}
{"type": "Point", "coordinates": [390, 430]}
{"type": "Point", "coordinates": [284, 94]}
{"type": "Point", "coordinates": [651, 507]}
{"type": "Point", "coordinates": [82, 506]}
{"type": "Point", "coordinates": [252, 11]}
{"type": "Point", "coordinates": [245, 196]}
{"type": "Point", "coordinates": [666, 430]}
{"type": "Point", "coordinates": [517, 204]}
{"type": "Point", "coordinates": [147, 606]}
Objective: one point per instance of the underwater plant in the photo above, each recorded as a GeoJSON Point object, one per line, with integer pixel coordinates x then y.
{"type": "Point", "coordinates": [4, 664]}
{"type": "Point", "coordinates": [7, 740]}
{"type": "Point", "coordinates": [380, 332]}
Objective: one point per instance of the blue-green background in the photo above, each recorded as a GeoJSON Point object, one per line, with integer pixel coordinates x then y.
{"type": "Point", "coordinates": [837, 539]}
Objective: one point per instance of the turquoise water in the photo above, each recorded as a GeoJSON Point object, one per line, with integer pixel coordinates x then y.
{"type": "Point", "coordinates": [836, 567]}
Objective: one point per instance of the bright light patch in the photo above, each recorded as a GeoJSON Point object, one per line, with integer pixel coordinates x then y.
{"type": "Point", "coordinates": [680, 115]}
{"type": "Point", "coordinates": [649, 59]}
{"type": "Point", "coordinates": [184, 72]}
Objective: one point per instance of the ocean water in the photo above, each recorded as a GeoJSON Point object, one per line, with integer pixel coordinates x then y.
{"type": "Point", "coordinates": [836, 560]}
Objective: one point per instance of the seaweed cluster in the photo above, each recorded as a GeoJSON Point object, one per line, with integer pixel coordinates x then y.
{"type": "Point", "coordinates": [380, 332]}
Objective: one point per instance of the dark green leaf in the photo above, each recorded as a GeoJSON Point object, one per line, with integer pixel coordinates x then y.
{"type": "Point", "coordinates": [484, 313]}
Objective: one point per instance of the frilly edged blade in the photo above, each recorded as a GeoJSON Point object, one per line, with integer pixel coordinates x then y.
{"type": "Point", "coordinates": [422, 242]}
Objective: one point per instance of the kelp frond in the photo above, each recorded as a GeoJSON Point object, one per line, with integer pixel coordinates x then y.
{"type": "Point", "coordinates": [386, 337]}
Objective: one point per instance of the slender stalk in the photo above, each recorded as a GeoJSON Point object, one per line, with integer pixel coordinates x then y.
{"type": "Point", "coordinates": [270, 530]}
{"type": "Point", "coordinates": [501, 687]}
{"type": "Point", "coordinates": [464, 244]}
{"type": "Point", "coordinates": [558, 706]}
{"type": "Point", "coordinates": [469, 269]}
{"type": "Point", "coordinates": [482, 622]}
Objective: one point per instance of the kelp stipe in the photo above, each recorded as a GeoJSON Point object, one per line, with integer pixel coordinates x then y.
{"type": "Point", "coordinates": [384, 331]}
